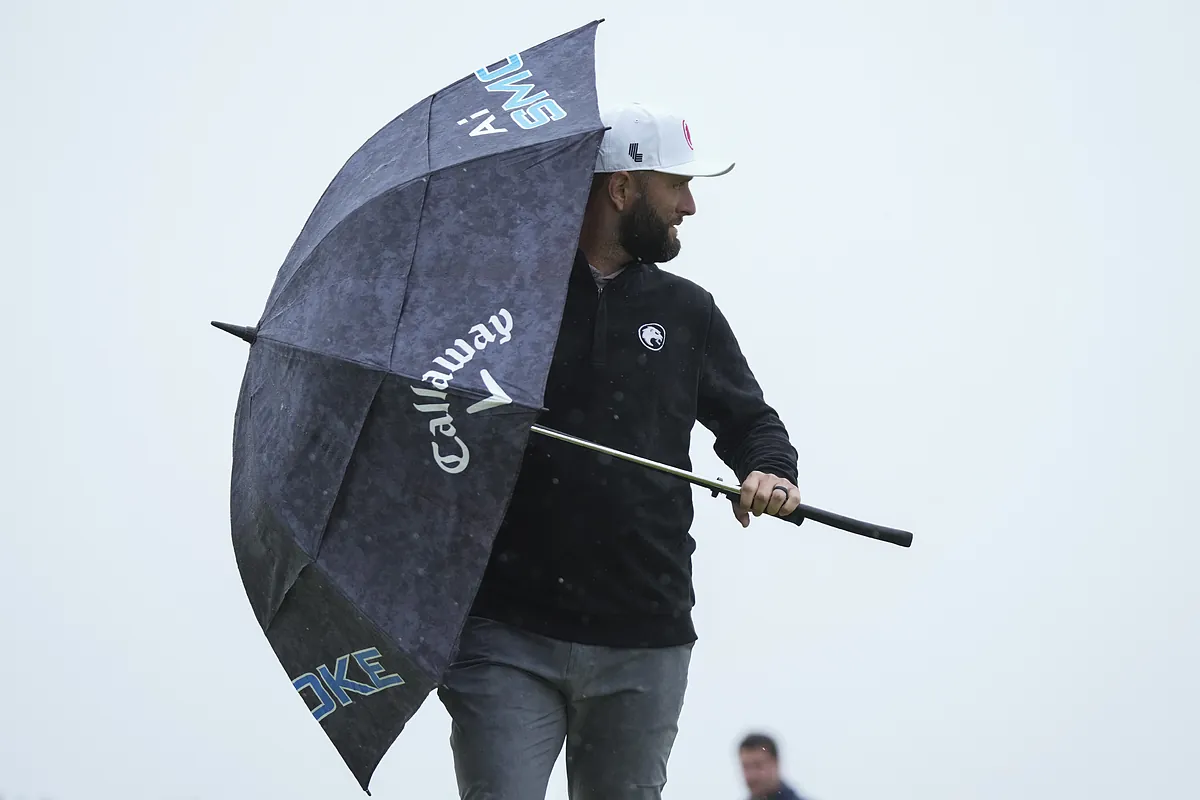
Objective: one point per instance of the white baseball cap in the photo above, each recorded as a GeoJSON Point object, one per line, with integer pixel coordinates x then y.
{"type": "Point", "coordinates": [641, 138]}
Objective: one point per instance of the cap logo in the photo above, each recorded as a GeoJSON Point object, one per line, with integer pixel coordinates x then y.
{"type": "Point", "coordinates": [634, 154]}
{"type": "Point", "coordinates": [687, 134]}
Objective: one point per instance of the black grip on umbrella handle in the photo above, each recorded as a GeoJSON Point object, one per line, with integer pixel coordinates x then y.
{"type": "Point", "coordinates": [868, 529]}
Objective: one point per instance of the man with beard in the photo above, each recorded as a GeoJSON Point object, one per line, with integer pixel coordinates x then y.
{"type": "Point", "coordinates": [581, 631]}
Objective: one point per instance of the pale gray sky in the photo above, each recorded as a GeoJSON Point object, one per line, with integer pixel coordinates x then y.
{"type": "Point", "coordinates": [960, 249]}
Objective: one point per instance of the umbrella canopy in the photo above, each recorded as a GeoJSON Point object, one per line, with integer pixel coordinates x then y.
{"type": "Point", "coordinates": [393, 379]}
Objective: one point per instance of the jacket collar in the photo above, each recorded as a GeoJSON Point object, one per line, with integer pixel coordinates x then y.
{"type": "Point", "coordinates": [581, 268]}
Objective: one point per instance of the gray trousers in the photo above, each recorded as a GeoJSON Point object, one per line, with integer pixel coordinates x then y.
{"type": "Point", "coordinates": [514, 698]}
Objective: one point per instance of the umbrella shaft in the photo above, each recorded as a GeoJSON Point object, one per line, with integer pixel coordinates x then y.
{"type": "Point", "coordinates": [699, 480]}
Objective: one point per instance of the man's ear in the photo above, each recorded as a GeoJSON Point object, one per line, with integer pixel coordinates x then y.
{"type": "Point", "coordinates": [622, 189]}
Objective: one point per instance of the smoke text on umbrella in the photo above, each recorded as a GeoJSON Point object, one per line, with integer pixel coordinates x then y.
{"type": "Point", "coordinates": [335, 684]}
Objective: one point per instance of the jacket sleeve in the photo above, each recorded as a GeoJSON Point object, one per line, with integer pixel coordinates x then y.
{"type": "Point", "coordinates": [749, 434]}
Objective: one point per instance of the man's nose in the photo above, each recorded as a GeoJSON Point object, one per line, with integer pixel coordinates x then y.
{"type": "Point", "coordinates": [687, 203]}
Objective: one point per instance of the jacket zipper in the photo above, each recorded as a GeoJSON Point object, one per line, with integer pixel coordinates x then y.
{"type": "Point", "coordinates": [600, 330]}
{"type": "Point", "coordinates": [600, 327]}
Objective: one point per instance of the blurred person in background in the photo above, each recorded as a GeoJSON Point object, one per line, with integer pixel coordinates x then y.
{"type": "Point", "coordinates": [759, 755]}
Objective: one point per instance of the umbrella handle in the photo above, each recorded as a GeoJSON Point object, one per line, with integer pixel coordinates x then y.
{"type": "Point", "coordinates": [802, 512]}
{"type": "Point", "coordinates": [869, 529]}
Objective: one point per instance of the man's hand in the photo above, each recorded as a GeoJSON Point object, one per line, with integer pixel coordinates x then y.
{"type": "Point", "coordinates": [765, 494]}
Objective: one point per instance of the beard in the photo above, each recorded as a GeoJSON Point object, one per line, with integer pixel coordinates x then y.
{"type": "Point", "coordinates": [645, 235]}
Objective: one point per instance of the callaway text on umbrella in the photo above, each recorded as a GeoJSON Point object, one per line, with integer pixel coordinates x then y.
{"type": "Point", "coordinates": [393, 380]}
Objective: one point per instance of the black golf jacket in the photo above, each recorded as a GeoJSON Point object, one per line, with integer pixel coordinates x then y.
{"type": "Point", "coordinates": [597, 550]}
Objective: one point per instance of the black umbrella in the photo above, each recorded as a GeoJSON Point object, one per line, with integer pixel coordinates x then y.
{"type": "Point", "coordinates": [394, 378]}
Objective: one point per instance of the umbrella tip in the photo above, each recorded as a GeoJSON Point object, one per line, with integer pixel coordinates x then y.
{"type": "Point", "coordinates": [244, 333]}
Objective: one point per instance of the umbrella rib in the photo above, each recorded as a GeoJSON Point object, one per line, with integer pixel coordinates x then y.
{"type": "Point", "coordinates": [469, 394]}
{"type": "Point", "coordinates": [273, 312]}
{"type": "Point", "coordinates": [346, 469]}
{"type": "Point", "coordinates": [417, 241]}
